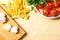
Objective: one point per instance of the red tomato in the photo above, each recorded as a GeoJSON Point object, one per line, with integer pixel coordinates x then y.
{"type": "Point", "coordinates": [58, 9]}
{"type": "Point", "coordinates": [53, 13]}
{"type": "Point", "coordinates": [55, 4]}
{"type": "Point", "coordinates": [45, 12]}
{"type": "Point", "coordinates": [57, 14]}
{"type": "Point", "coordinates": [39, 6]}
{"type": "Point", "coordinates": [50, 4]}
{"type": "Point", "coordinates": [58, 0]}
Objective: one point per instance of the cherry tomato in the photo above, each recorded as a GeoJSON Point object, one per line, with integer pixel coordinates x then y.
{"type": "Point", "coordinates": [58, 9]}
{"type": "Point", "coordinates": [45, 12]}
{"type": "Point", "coordinates": [57, 14]}
{"type": "Point", "coordinates": [50, 4]}
{"type": "Point", "coordinates": [55, 4]}
{"type": "Point", "coordinates": [58, 0]}
{"type": "Point", "coordinates": [39, 6]}
{"type": "Point", "coordinates": [53, 13]}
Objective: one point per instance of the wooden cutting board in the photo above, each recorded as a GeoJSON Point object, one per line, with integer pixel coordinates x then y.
{"type": "Point", "coordinates": [5, 35]}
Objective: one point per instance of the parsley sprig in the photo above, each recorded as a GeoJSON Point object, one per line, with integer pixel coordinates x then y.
{"type": "Point", "coordinates": [35, 2]}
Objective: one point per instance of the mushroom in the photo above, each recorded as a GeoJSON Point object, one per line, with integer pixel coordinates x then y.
{"type": "Point", "coordinates": [14, 30]}
{"type": "Point", "coordinates": [7, 27]}
{"type": "Point", "coordinates": [2, 18]}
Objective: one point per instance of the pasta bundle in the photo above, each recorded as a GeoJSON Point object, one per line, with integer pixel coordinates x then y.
{"type": "Point", "coordinates": [16, 8]}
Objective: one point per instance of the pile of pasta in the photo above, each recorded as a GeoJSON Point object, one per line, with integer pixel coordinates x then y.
{"type": "Point", "coordinates": [17, 8]}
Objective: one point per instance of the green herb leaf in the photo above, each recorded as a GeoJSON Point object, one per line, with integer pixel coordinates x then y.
{"type": "Point", "coordinates": [42, 2]}
{"type": "Point", "coordinates": [35, 2]}
{"type": "Point", "coordinates": [30, 2]}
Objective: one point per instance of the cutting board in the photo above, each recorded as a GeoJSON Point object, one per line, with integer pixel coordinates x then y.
{"type": "Point", "coordinates": [5, 35]}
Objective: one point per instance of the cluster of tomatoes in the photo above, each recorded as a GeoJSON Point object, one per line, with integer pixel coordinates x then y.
{"type": "Point", "coordinates": [51, 9]}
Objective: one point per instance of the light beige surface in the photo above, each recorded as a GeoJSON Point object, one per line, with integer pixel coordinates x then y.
{"type": "Point", "coordinates": [39, 28]}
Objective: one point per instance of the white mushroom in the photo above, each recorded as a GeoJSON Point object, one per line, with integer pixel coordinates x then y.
{"type": "Point", "coordinates": [7, 27]}
{"type": "Point", "coordinates": [2, 17]}
{"type": "Point", "coordinates": [2, 14]}
{"type": "Point", "coordinates": [14, 30]}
